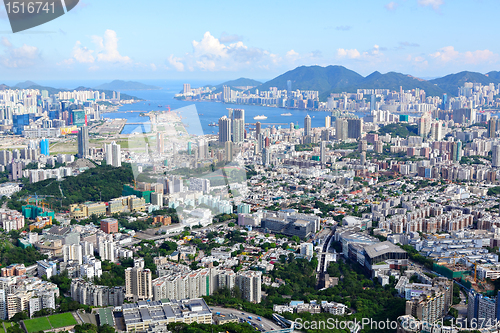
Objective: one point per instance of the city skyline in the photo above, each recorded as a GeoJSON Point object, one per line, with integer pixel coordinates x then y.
{"type": "Point", "coordinates": [200, 41]}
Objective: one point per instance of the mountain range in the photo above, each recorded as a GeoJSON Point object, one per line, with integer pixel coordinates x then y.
{"type": "Point", "coordinates": [126, 85]}
{"type": "Point", "coordinates": [337, 79]}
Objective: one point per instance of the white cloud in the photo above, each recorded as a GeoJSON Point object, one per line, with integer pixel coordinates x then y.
{"type": "Point", "coordinates": [348, 53]}
{"type": "Point", "coordinates": [82, 54]}
{"type": "Point", "coordinates": [446, 54]}
{"type": "Point", "coordinates": [435, 4]}
{"type": "Point", "coordinates": [391, 6]}
{"type": "Point", "coordinates": [480, 56]}
{"type": "Point", "coordinates": [226, 38]}
{"type": "Point", "coordinates": [108, 48]}
{"type": "Point", "coordinates": [106, 51]}
{"type": "Point", "coordinates": [213, 54]}
{"type": "Point", "coordinates": [176, 62]}
{"type": "Point", "coordinates": [18, 57]}
{"type": "Point", "coordinates": [153, 67]}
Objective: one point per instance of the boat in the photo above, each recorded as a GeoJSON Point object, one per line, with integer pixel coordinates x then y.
{"type": "Point", "coordinates": [213, 124]}
{"type": "Point", "coordinates": [286, 114]}
{"type": "Point", "coordinates": [260, 117]}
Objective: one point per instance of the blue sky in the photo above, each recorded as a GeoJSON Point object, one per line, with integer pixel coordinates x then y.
{"type": "Point", "coordinates": [217, 40]}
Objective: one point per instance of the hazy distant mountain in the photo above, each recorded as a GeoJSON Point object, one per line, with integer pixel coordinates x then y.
{"type": "Point", "coordinates": [451, 82]}
{"type": "Point", "coordinates": [126, 85]}
{"type": "Point", "coordinates": [241, 82]}
{"type": "Point", "coordinates": [25, 84]}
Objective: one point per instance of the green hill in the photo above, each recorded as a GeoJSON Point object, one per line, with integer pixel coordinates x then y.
{"type": "Point", "coordinates": [322, 79]}
{"type": "Point", "coordinates": [337, 79]}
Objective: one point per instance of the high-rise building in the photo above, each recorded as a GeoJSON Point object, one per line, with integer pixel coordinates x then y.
{"type": "Point", "coordinates": [238, 130]}
{"type": "Point", "coordinates": [456, 151]}
{"type": "Point", "coordinates": [495, 160]}
{"type": "Point", "coordinates": [224, 129]}
{"type": "Point", "coordinates": [257, 129]}
{"type": "Point", "coordinates": [424, 125]}
{"type": "Point", "coordinates": [113, 153]}
{"type": "Point", "coordinates": [228, 147]}
{"type": "Point", "coordinates": [226, 94]}
{"type": "Point", "coordinates": [445, 101]}
{"type": "Point", "coordinates": [372, 102]}
{"type": "Point", "coordinates": [238, 114]}
{"type": "Point", "coordinates": [202, 149]}
{"type": "Point", "coordinates": [354, 128]}
{"type": "Point", "coordinates": [482, 309]}
{"type": "Point", "coordinates": [362, 145]}
{"type": "Point", "coordinates": [189, 148]}
{"type": "Point", "coordinates": [322, 152]}
{"type": "Point", "coordinates": [44, 147]}
{"type": "Point", "coordinates": [328, 121]}
{"type": "Point", "coordinates": [437, 131]}
{"type": "Point", "coordinates": [379, 147]}
{"type": "Point", "coordinates": [186, 88]}
{"type": "Point", "coordinates": [138, 283]}
{"type": "Point", "coordinates": [341, 129]}
{"type": "Point", "coordinates": [307, 125]}
{"type": "Point", "coordinates": [83, 142]}
{"type": "Point", "coordinates": [266, 156]}
{"type": "Point", "coordinates": [492, 127]}
{"type": "Point", "coordinates": [72, 252]}
{"type": "Point", "coordinates": [250, 284]}
{"type": "Point", "coordinates": [289, 88]}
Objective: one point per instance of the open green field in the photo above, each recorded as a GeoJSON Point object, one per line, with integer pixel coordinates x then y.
{"type": "Point", "coordinates": [37, 324]}
{"type": "Point", "coordinates": [62, 320]}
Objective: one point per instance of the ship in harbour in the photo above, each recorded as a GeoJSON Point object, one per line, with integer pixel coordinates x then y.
{"type": "Point", "coordinates": [260, 117]}
{"type": "Point", "coordinates": [213, 124]}
{"type": "Point", "coordinates": [288, 114]}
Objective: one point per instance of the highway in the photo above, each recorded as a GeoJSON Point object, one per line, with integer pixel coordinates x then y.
{"type": "Point", "coordinates": [267, 325]}
{"type": "Point", "coordinates": [321, 269]}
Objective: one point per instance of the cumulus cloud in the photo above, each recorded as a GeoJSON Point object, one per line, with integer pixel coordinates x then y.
{"type": "Point", "coordinates": [82, 54]}
{"type": "Point", "coordinates": [18, 57]}
{"type": "Point", "coordinates": [449, 56]}
{"type": "Point", "coordinates": [105, 51]}
{"type": "Point", "coordinates": [108, 48]}
{"type": "Point", "coordinates": [391, 6]}
{"type": "Point", "coordinates": [176, 62]}
{"type": "Point", "coordinates": [348, 53]}
{"type": "Point", "coordinates": [435, 4]}
{"type": "Point", "coordinates": [227, 53]}
{"type": "Point", "coordinates": [446, 54]}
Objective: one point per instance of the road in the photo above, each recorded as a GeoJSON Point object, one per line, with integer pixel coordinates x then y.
{"type": "Point", "coordinates": [267, 324]}
{"type": "Point", "coordinates": [321, 275]}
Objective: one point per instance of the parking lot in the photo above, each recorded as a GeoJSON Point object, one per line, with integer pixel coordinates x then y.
{"type": "Point", "coordinates": [263, 325]}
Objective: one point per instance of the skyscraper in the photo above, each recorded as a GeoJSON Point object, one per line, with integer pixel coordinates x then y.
{"type": "Point", "coordinates": [445, 101]}
{"type": "Point", "coordinates": [307, 125]}
{"type": "Point", "coordinates": [186, 88]}
{"type": "Point", "coordinates": [228, 146]}
{"type": "Point", "coordinates": [189, 148]}
{"type": "Point", "coordinates": [257, 129]}
{"type": "Point", "coordinates": [226, 94]}
{"type": "Point", "coordinates": [492, 127]}
{"type": "Point", "coordinates": [424, 124]}
{"type": "Point", "coordinates": [266, 156]}
{"type": "Point", "coordinates": [113, 154]}
{"type": "Point", "coordinates": [238, 130]}
{"type": "Point", "coordinates": [202, 149]}
{"type": "Point", "coordinates": [224, 129]}
{"type": "Point", "coordinates": [328, 121]}
{"type": "Point", "coordinates": [354, 128]}
{"type": "Point", "coordinates": [372, 102]}
{"type": "Point", "coordinates": [44, 147]}
{"type": "Point", "coordinates": [341, 127]}
{"type": "Point", "coordinates": [83, 142]}
{"type": "Point", "coordinates": [495, 160]}
{"type": "Point", "coordinates": [322, 152]}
